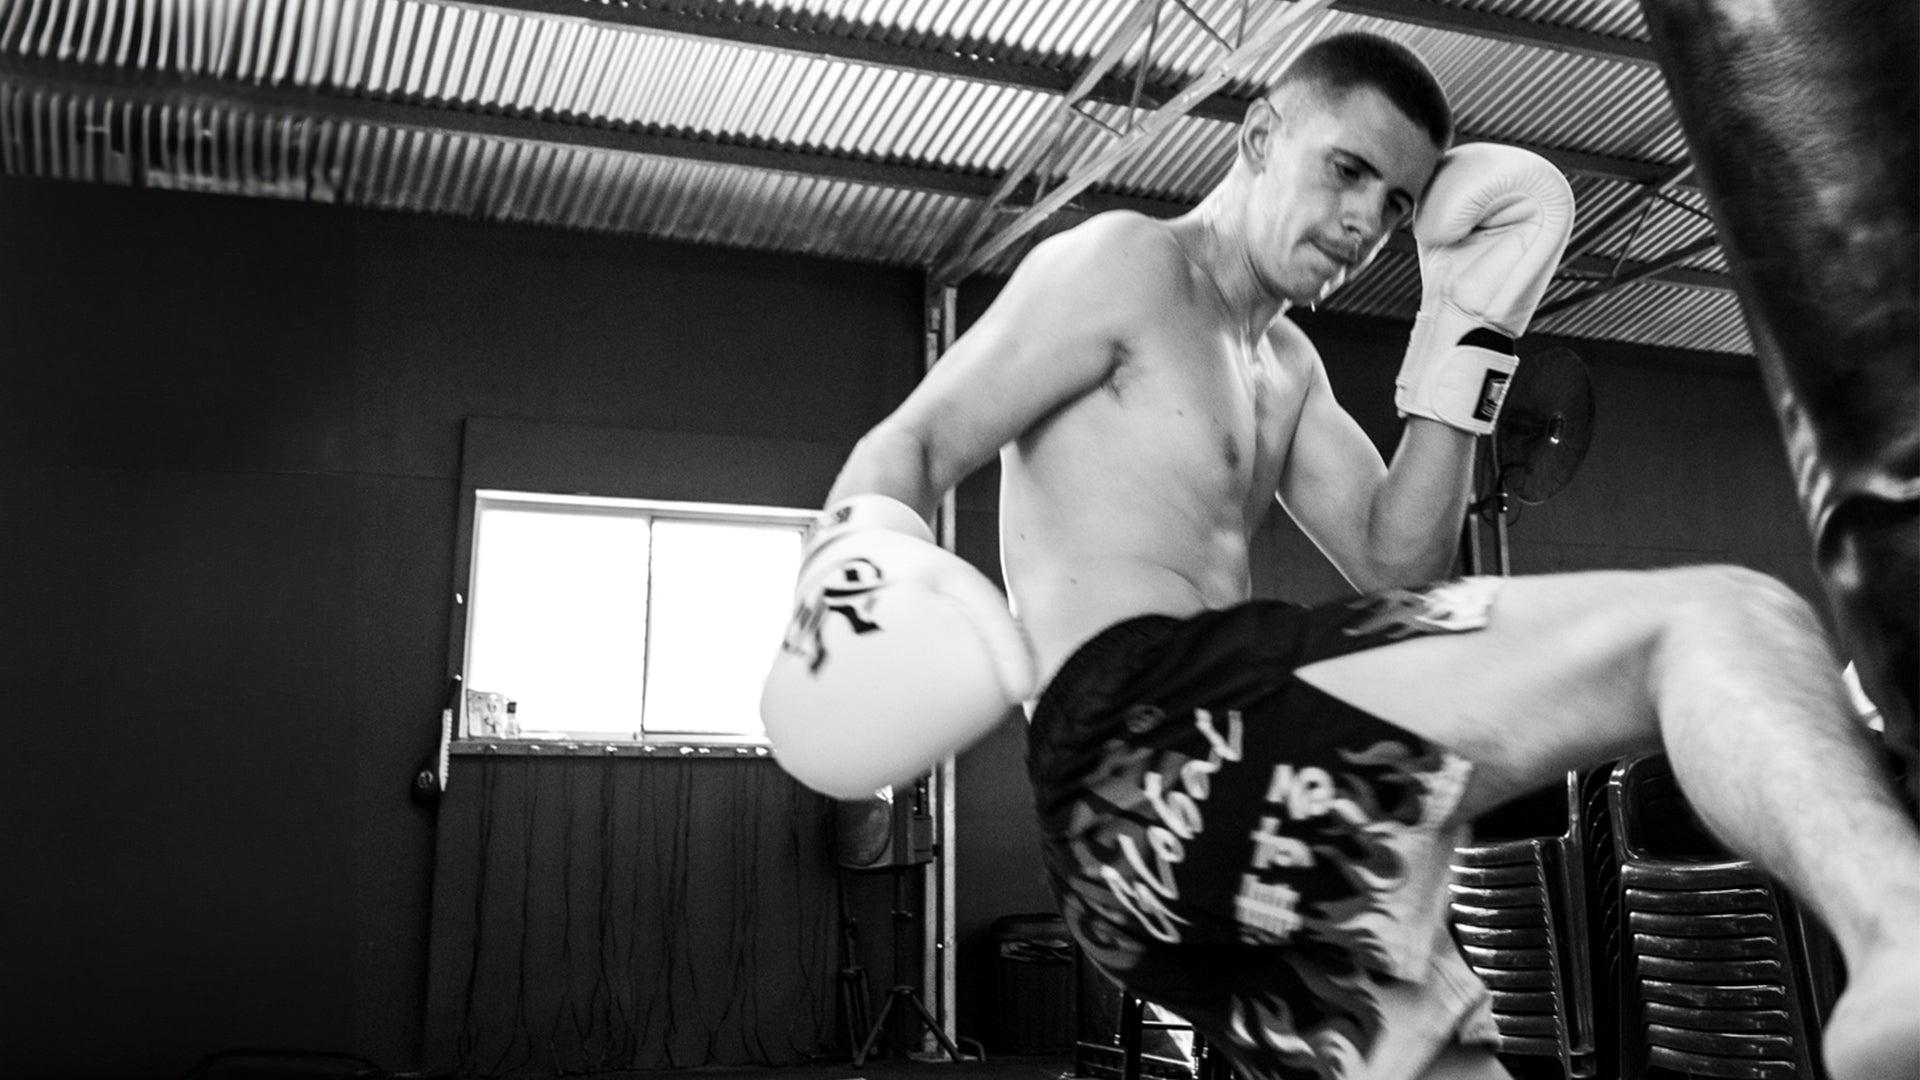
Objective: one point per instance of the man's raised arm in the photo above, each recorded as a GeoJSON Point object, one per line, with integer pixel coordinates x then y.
{"type": "Point", "coordinates": [900, 653]}
{"type": "Point", "coordinates": [1491, 230]}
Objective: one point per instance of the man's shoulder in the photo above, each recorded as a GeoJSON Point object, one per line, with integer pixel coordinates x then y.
{"type": "Point", "coordinates": [1121, 257]}
{"type": "Point", "coordinates": [1113, 233]}
{"type": "Point", "coordinates": [1290, 344]}
{"type": "Point", "coordinates": [1124, 226]}
{"type": "Point", "coordinates": [1283, 331]}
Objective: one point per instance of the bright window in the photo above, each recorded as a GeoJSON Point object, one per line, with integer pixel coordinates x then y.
{"type": "Point", "coordinates": [619, 619]}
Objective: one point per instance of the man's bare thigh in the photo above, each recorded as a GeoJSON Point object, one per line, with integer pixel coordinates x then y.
{"type": "Point", "coordinates": [1466, 1063]}
{"type": "Point", "coordinates": [1557, 680]}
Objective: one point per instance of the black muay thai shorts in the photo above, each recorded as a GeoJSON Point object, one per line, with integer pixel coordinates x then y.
{"type": "Point", "coordinates": [1264, 860]}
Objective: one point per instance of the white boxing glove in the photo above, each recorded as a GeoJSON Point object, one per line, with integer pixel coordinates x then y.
{"type": "Point", "coordinates": [899, 654]}
{"type": "Point", "coordinates": [1491, 230]}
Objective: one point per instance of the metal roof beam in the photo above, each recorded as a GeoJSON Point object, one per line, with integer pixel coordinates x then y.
{"type": "Point", "coordinates": [1486, 24]}
{"type": "Point", "coordinates": [1664, 271]}
{"type": "Point", "coordinates": [1109, 89]}
{"type": "Point", "coordinates": [1629, 273]}
{"type": "Point", "coordinates": [1601, 268]}
{"type": "Point", "coordinates": [147, 88]}
{"type": "Point", "coordinates": [1225, 107]}
{"type": "Point", "coordinates": [1598, 269]}
{"type": "Point", "coordinates": [1607, 273]}
{"type": "Point", "coordinates": [749, 31]}
{"type": "Point", "coordinates": [150, 89]}
{"type": "Point", "coordinates": [1048, 138]}
{"type": "Point", "coordinates": [1639, 202]}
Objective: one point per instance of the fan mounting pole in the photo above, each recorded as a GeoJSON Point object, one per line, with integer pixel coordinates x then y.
{"type": "Point", "coordinates": [1536, 446]}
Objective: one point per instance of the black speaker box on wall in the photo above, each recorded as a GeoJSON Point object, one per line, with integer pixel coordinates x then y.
{"type": "Point", "coordinates": [889, 830]}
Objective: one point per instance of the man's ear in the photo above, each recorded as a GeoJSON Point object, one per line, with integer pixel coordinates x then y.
{"type": "Point", "coordinates": [1257, 132]}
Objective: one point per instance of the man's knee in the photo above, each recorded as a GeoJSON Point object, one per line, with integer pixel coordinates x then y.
{"type": "Point", "coordinates": [1736, 596]}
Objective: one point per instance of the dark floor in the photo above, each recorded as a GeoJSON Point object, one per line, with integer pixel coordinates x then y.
{"type": "Point", "coordinates": [274, 1065]}
{"type": "Point", "coordinates": [995, 1067]}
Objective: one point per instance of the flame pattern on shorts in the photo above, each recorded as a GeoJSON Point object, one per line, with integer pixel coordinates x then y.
{"type": "Point", "coordinates": [1263, 859]}
{"type": "Point", "coordinates": [1447, 608]}
{"type": "Point", "coordinates": [1301, 1001]}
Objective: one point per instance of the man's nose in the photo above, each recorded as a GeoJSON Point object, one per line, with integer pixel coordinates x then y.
{"type": "Point", "coordinates": [1360, 232]}
{"type": "Point", "coordinates": [1367, 219]}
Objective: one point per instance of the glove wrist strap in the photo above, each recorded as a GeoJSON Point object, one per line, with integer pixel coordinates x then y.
{"type": "Point", "coordinates": [866, 512]}
{"type": "Point", "coordinates": [1455, 373]}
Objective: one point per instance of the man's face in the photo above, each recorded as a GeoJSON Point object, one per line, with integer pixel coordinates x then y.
{"type": "Point", "coordinates": [1338, 176]}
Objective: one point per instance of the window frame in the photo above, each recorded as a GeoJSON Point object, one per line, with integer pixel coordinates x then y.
{"type": "Point", "coordinates": [643, 741]}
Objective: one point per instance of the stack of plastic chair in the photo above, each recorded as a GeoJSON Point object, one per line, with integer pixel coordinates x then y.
{"type": "Point", "coordinates": [1208, 1063]}
{"type": "Point", "coordinates": [1519, 913]}
{"type": "Point", "coordinates": [1127, 1056]}
{"type": "Point", "coordinates": [1716, 976]}
{"type": "Point", "coordinates": [1603, 917]}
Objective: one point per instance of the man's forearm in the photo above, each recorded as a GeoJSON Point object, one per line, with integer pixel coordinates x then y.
{"type": "Point", "coordinates": [888, 461]}
{"type": "Point", "coordinates": [1419, 509]}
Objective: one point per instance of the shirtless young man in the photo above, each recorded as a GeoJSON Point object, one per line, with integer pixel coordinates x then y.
{"type": "Point", "coordinates": [1248, 807]}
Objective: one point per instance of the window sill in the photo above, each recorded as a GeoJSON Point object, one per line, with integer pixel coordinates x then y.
{"type": "Point", "coordinates": [568, 747]}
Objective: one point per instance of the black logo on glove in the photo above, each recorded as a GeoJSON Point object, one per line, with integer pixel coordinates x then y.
{"type": "Point", "coordinates": [848, 593]}
{"type": "Point", "coordinates": [1493, 391]}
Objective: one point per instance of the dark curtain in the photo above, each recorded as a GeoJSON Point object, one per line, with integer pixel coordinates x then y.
{"type": "Point", "coordinates": [614, 912]}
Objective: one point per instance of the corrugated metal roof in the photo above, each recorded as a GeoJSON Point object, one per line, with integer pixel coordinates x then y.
{"type": "Point", "coordinates": [1609, 18]}
{"type": "Point", "coordinates": [249, 97]}
{"type": "Point", "coordinates": [1659, 225]}
{"type": "Point", "coordinates": [214, 149]}
{"type": "Point", "coordinates": [1644, 313]}
{"type": "Point", "coordinates": [1651, 313]}
{"type": "Point", "coordinates": [1556, 99]}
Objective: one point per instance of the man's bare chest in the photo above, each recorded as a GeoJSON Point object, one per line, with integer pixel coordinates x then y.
{"type": "Point", "coordinates": [1217, 411]}
{"type": "Point", "coordinates": [1241, 393]}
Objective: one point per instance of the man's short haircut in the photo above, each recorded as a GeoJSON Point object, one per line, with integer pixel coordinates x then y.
{"type": "Point", "coordinates": [1337, 65]}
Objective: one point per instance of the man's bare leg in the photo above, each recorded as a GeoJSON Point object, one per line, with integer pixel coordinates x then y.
{"type": "Point", "coordinates": [1466, 1063]}
{"type": "Point", "coordinates": [1731, 672]}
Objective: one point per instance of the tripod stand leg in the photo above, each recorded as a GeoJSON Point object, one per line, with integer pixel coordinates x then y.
{"type": "Point", "coordinates": [873, 1036]}
{"type": "Point", "coordinates": [932, 1024]}
{"type": "Point", "coordinates": [906, 994]}
{"type": "Point", "coordinates": [855, 1001]}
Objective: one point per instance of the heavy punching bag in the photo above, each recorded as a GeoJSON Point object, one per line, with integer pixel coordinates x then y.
{"type": "Point", "coordinates": [1803, 119]}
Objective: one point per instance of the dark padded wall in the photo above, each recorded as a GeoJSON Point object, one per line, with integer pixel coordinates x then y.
{"type": "Point", "coordinates": [229, 447]}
